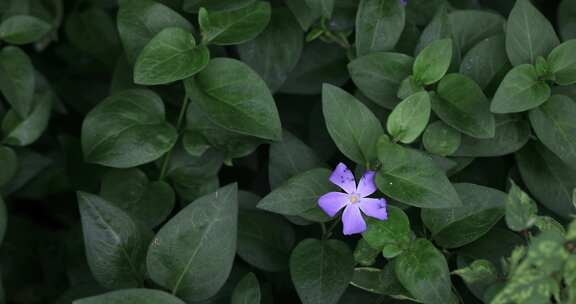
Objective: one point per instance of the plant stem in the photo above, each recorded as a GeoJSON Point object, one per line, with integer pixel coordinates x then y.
{"type": "Point", "coordinates": [179, 123]}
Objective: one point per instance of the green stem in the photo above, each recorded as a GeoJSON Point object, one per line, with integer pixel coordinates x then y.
{"type": "Point", "coordinates": [179, 123]}
{"type": "Point", "coordinates": [328, 232]}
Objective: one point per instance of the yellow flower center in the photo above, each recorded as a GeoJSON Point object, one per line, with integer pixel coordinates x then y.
{"type": "Point", "coordinates": [354, 198]}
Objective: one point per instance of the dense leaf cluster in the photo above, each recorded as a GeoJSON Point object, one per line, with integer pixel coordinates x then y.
{"type": "Point", "coordinates": [173, 151]}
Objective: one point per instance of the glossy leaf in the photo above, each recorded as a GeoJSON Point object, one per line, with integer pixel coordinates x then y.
{"type": "Point", "coordinates": [413, 178]}
{"type": "Point", "coordinates": [520, 90]}
{"type": "Point", "coordinates": [433, 62]}
{"type": "Point", "coordinates": [562, 64]}
{"type": "Point", "coordinates": [390, 236]}
{"type": "Point", "coordinates": [410, 117]}
{"type": "Point", "coordinates": [441, 139]}
{"type": "Point", "coordinates": [9, 165]}
{"type": "Point", "coordinates": [247, 291]}
{"type": "Point", "coordinates": [126, 130]}
{"type": "Point", "coordinates": [132, 296]}
{"type": "Point", "coordinates": [379, 281]}
{"type": "Point", "coordinates": [566, 19]}
{"type": "Point", "coordinates": [521, 210]}
{"type": "Point", "coordinates": [352, 126]}
{"type": "Point", "coordinates": [25, 131]}
{"type": "Point", "coordinates": [469, 27]}
{"type": "Point", "coordinates": [379, 24]}
{"type": "Point", "coordinates": [170, 56]}
{"type": "Point", "coordinates": [192, 254]}
{"type": "Point", "coordinates": [321, 270]}
{"type": "Point", "coordinates": [321, 7]}
{"type": "Point", "coordinates": [234, 97]}
{"type": "Point", "coordinates": [23, 29]}
{"type": "Point", "coordinates": [486, 61]}
{"type": "Point", "coordinates": [17, 79]}
{"type": "Point", "coordinates": [115, 244]}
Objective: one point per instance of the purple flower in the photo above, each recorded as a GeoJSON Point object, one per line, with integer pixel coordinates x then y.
{"type": "Point", "coordinates": [353, 200]}
{"type": "Point", "coordinates": [403, 2]}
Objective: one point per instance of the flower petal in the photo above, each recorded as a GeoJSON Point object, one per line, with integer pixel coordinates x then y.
{"type": "Point", "coordinates": [374, 207]}
{"type": "Point", "coordinates": [353, 220]}
{"type": "Point", "coordinates": [366, 186]}
{"type": "Point", "coordinates": [332, 202]}
{"type": "Point", "coordinates": [343, 178]}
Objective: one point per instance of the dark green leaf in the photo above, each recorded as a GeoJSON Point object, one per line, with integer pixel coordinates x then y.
{"type": "Point", "coordinates": [320, 63]}
{"type": "Point", "coordinates": [409, 118]}
{"type": "Point", "coordinates": [352, 126]}
{"type": "Point", "coordinates": [461, 104]}
{"type": "Point", "coordinates": [380, 281]}
{"type": "Point", "coordinates": [140, 20]}
{"type": "Point", "coordinates": [23, 29]}
{"type": "Point", "coordinates": [521, 210]}
{"type": "Point", "coordinates": [423, 271]}
{"type": "Point", "coordinates": [528, 34]}
{"type": "Point", "coordinates": [379, 24]}
{"type": "Point", "coordinates": [479, 275]}
{"type": "Point", "coordinates": [549, 179]}
{"type": "Point", "coordinates": [17, 80]}
{"type": "Point", "coordinates": [486, 61]}
{"type": "Point", "coordinates": [275, 52]}
{"type": "Point", "coordinates": [364, 254]}
{"type": "Point", "coordinates": [322, 8]}
{"type": "Point", "coordinates": [413, 178]}
{"type": "Point", "coordinates": [441, 139]}
{"type": "Point", "coordinates": [389, 236]}
{"type": "Point", "coordinates": [562, 63]}
{"type": "Point", "coordinates": [378, 75]}
{"type": "Point", "coordinates": [132, 296]}
{"type": "Point", "coordinates": [288, 158]}
{"type": "Point", "coordinates": [520, 90]}
{"type": "Point", "coordinates": [302, 12]}
{"type": "Point", "coordinates": [145, 201]}
{"type": "Point", "coordinates": [234, 97]}
{"type": "Point", "coordinates": [433, 62]}
{"type": "Point", "coordinates": [567, 19]}
{"type": "Point", "coordinates": [512, 133]}
{"type": "Point", "coordinates": [25, 131]}
{"type": "Point", "coordinates": [555, 126]}
{"type": "Point", "coordinates": [193, 253]}
{"type": "Point", "coordinates": [299, 194]}
{"type": "Point", "coordinates": [115, 244]}
{"type": "Point", "coordinates": [192, 6]}
{"type": "Point", "coordinates": [482, 208]}
{"type": "Point", "coordinates": [469, 27]}
{"type": "Point", "coordinates": [438, 28]}
{"type": "Point", "coordinates": [247, 291]}
{"type": "Point", "coordinates": [321, 270]}
{"type": "Point", "coordinates": [234, 26]}
{"type": "Point", "coordinates": [3, 219]}
{"type": "Point", "coordinates": [126, 130]}
{"type": "Point", "coordinates": [170, 56]}
{"type": "Point", "coordinates": [30, 164]}
{"type": "Point", "coordinates": [9, 165]}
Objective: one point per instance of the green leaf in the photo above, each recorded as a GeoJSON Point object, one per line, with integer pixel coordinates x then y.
{"type": "Point", "coordinates": [321, 270]}
{"type": "Point", "coordinates": [288, 158]}
{"type": "Point", "coordinates": [17, 79]}
{"type": "Point", "coordinates": [235, 98]}
{"type": "Point", "coordinates": [512, 133]}
{"type": "Point", "coordinates": [438, 28]}
{"type": "Point", "coordinates": [482, 208]}
{"type": "Point", "coordinates": [528, 34]}
{"type": "Point", "coordinates": [247, 291]}
{"type": "Point", "coordinates": [390, 235]}
{"type": "Point", "coordinates": [140, 20]}
{"type": "Point", "coordinates": [409, 118]}
{"type": "Point", "coordinates": [25, 131]}
{"type": "Point", "coordinates": [379, 24]}
{"type": "Point", "coordinates": [554, 124]}
{"type": "Point", "coordinates": [413, 178]}
{"type": "Point", "coordinates": [264, 240]}
{"type": "Point", "coordinates": [321, 7]}
{"type": "Point", "coordinates": [192, 6]}
{"type": "Point", "coordinates": [127, 129]}
{"type": "Point", "coordinates": [319, 63]}
{"type": "Point", "coordinates": [562, 63]}
{"type": "Point", "coordinates": [23, 29]}
{"type": "Point", "coordinates": [115, 244]}
{"type": "Point", "coordinates": [380, 281]}
{"type": "Point", "coordinates": [549, 179]}
{"type": "Point", "coordinates": [275, 52]}
{"type": "Point", "coordinates": [364, 254]}
{"type": "Point", "coordinates": [3, 219]}
{"type": "Point", "coordinates": [352, 126]}
{"type": "Point", "coordinates": [234, 26]}
{"type": "Point", "coordinates": [299, 194]}
{"type": "Point", "coordinates": [486, 61]}
{"type": "Point", "coordinates": [470, 27]}
{"type": "Point", "coordinates": [408, 87]}
{"type": "Point", "coordinates": [567, 20]}
{"type": "Point", "coordinates": [481, 274]}
{"type": "Point", "coordinates": [433, 62]}
{"type": "Point", "coordinates": [378, 75]}
{"type": "Point", "coordinates": [423, 271]}
{"type": "Point", "coordinates": [441, 139]}
{"type": "Point", "coordinates": [520, 90]}
{"type": "Point", "coordinates": [132, 296]}
{"type": "Point", "coordinates": [131, 191]}
{"type": "Point", "coordinates": [9, 165]}
{"type": "Point", "coordinates": [193, 253]}
{"type": "Point", "coordinates": [305, 16]}
{"type": "Point", "coordinates": [170, 56]}
{"type": "Point", "coordinates": [462, 105]}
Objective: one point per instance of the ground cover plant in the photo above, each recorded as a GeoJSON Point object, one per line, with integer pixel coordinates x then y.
{"type": "Point", "coordinates": [287, 151]}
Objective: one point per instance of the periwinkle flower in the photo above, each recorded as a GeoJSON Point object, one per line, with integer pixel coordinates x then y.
{"type": "Point", "coordinates": [354, 200]}
{"type": "Point", "coordinates": [403, 2]}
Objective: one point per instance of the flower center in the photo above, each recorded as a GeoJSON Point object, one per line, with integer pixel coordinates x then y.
{"type": "Point", "coordinates": [354, 198]}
